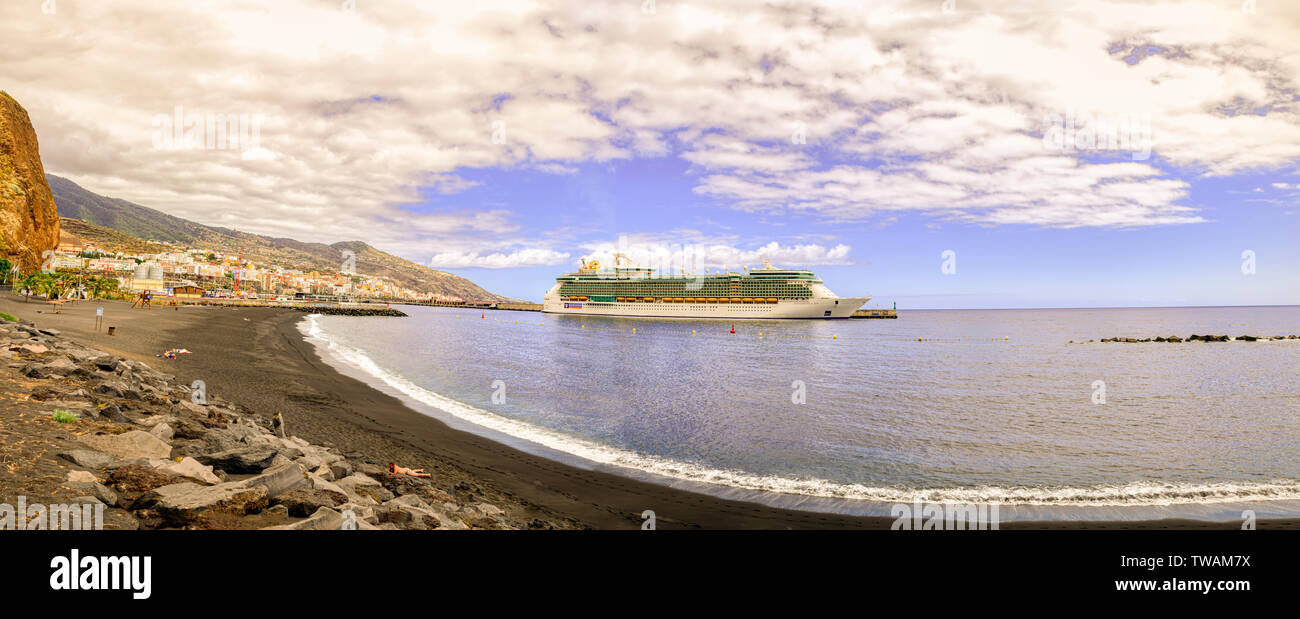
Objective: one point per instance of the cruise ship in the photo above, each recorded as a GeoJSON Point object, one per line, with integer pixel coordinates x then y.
{"type": "Point", "coordinates": [630, 290]}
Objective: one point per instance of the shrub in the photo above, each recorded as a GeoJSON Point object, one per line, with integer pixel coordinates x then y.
{"type": "Point", "coordinates": [62, 415]}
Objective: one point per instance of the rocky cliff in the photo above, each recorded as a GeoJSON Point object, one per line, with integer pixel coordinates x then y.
{"type": "Point", "coordinates": [29, 224]}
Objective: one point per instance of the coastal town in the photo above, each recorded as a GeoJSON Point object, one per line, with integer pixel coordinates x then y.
{"type": "Point", "coordinates": [78, 269]}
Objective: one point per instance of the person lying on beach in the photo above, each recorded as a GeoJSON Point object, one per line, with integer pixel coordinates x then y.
{"type": "Point", "coordinates": [171, 354]}
{"type": "Point", "coordinates": [397, 470]}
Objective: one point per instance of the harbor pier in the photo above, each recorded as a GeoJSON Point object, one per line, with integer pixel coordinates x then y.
{"type": "Point", "coordinates": [875, 313]}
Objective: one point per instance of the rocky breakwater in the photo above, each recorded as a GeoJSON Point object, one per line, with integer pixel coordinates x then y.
{"type": "Point", "coordinates": [142, 445]}
{"type": "Point", "coordinates": [29, 223]}
{"type": "Point", "coordinates": [1174, 339]}
{"type": "Point", "coordinates": [353, 311]}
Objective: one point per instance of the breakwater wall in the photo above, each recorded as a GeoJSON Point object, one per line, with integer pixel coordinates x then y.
{"type": "Point", "coordinates": [350, 311]}
{"type": "Point", "coordinates": [875, 313]}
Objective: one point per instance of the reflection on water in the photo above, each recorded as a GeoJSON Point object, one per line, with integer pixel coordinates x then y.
{"type": "Point", "coordinates": [941, 405]}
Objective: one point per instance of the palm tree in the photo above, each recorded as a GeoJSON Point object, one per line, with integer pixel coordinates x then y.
{"type": "Point", "coordinates": [62, 283]}
{"type": "Point", "coordinates": [51, 286]}
{"type": "Point", "coordinates": [32, 282]}
{"type": "Point", "coordinates": [100, 285]}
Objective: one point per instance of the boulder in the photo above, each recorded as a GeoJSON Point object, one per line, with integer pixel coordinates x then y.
{"type": "Point", "coordinates": [106, 363]}
{"type": "Point", "coordinates": [305, 501]}
{"type": "Point", "coordinates": [281, 479]}
{"type": "Point", "coordinates": [362, 485]}
{"type": "Point", "coordinates": [153, 420]}
{"type": "Point", "coordinates": [186, 467]}
{"type": "Point", "coordinates": [59, 366]}
{"type": "Point", "coordinates": [197, 410]}
{"type": "Point", "coordinates": [188, 430]}
{"type": "Point", "coordinates": [340, 469]}
{"type": "Point", "coordinates": [402, 484]}
{"type": "Point", "coordinates": [35, 370]}
{"type": "Point", "coordinates": [112, 412]}
{"type": "Point", "coordinates": [45, 393]}
{"type": "Point", "coordinates": [185, 502]}
{"type": "Point", "coordinates": [310, 462]}
{"type": "Point", "coordinates": [403, 517]}
{"type": "Point", "coordinates": [324, 472]}
{"type": "Point", "coordinates": [323, 519]}
{"type": "Point", "coordinates": [82, 476]}
{"type": "Point", "coordinates": [282, 446]}
{"type": "Point", "coordinates": [93, 488]}
{"type": "Point", "coordinates": [163, 431]}
{"type": "Point", "coordinates": [320, 483]}
{"type": "Point", "coordinates": [419, 515]}
{"type": "Point", "coordinates": [488, 509]}
{"type": "Point", "coordinates": [133, 444]}
{"type": "Point", "coordinates": [362, 513]}
{"type": "Point", "coordinates": [116, 389]}
{"type": "Point", "coordinates": [77, 394]}
{"type": "Point", "coordinates": [133, 479]}
{"type": "Point", "coordinates": [240, 460]}
{"type": "Point", "coordinates": [87, 458]}
{"type": "Point", "coordinates": [29, 348]}
{"type": "Point", "coordinates": [220, 439]}
{"type": "Point", "coordinates": [277, 510]}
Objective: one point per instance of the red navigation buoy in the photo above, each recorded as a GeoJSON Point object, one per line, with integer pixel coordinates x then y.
{"type": "Point", "coordinates": [485, 316]}
{"type": "Point", "coordinates": [733, 328]}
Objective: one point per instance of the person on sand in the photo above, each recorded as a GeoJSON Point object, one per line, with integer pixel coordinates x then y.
{"type": "Point", "coordinates": [397, 470]}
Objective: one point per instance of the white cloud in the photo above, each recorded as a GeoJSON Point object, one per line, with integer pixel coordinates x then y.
{"type": "Point", "coordinates": [693, 252]}
{"type": "Point", "coordinates": [906, 108]}
{"type": "Point", "coordinates": [498, 260]}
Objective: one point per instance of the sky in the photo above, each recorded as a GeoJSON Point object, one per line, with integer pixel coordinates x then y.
{"type": "Point", "coordinates": [933, 154]}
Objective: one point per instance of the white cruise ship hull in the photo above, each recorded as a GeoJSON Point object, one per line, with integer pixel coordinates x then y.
{"type": "Point", "coordinates": [786, 308]}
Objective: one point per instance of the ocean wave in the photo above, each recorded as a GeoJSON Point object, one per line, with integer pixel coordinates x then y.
{"type": "Point", "coordinates": [1138, 493]}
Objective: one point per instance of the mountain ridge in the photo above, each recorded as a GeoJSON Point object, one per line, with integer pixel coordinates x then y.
{"type": "Point", "coordinates": [147, 224]}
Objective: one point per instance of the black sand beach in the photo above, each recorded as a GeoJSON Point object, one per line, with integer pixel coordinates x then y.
{"type": "Point", "coordinates": [257, 358]}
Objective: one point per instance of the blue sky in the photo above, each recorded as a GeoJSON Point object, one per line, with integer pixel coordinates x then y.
{"type": "Point", "coordinates": [1070, 153]}
{"type": "Point", "coordinates": [898, 261]}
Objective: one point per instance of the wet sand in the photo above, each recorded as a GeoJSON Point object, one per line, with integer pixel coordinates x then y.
{"type": "Point", "coordinates": [257, 358]}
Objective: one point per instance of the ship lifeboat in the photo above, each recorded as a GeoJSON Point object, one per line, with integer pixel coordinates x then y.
{"type": "Point", "coordinates": [771, 300]}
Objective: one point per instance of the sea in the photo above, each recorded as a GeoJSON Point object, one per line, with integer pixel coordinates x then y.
{"type": "Point", "coordinates": [1021, 408]}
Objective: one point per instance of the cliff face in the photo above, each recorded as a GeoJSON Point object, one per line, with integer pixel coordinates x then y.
{"type": "Point", "coordinates": [29, 223]}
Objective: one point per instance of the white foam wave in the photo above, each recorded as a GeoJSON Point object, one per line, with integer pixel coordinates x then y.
{"type": "Point", "coordinates": [1143, 493]}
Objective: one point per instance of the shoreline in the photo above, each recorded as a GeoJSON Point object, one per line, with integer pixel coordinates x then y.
{"type": "Point", "coordinates": [1214, 509]}
{"type": "Point", "coordinates": [259, 359]}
